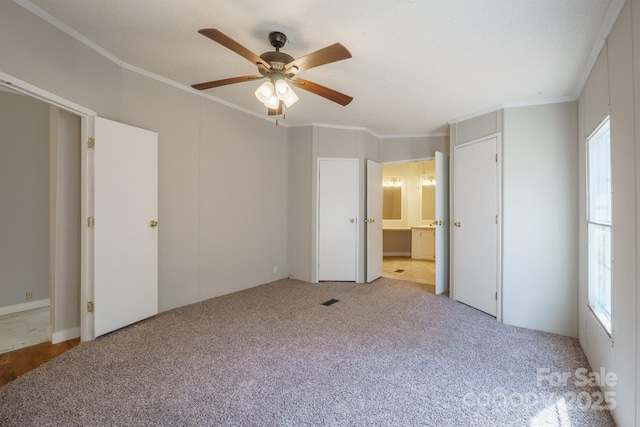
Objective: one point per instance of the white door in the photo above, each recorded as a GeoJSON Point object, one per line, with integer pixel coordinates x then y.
{"type": "Point", "coordinates": [125, 240]}
{"type": "Point", "coordinates": [337, 219]}
{"type": "Point", "coordinates": [475, 230]}
{"type": "Point", "coordinates": [373, 222]}
{"type": "Point", "coordinates": [442, 223]}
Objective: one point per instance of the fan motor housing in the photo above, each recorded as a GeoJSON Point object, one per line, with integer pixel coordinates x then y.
{"type": "Point", "coordinates": [277, 39]}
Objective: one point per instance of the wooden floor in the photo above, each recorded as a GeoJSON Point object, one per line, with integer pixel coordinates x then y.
{"type": "Point", "coordinates": [18, 362]}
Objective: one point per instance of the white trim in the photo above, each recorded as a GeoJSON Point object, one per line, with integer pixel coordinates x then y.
{"type": "Point", "coordinates": [23, 87]}
{"type": "Point", "coordinates": [515, 104]}
{"type": "Point", "coordinates": [67, 334]}
{"type": "Point", "coordinates": [326, 125]}
{"type": "Point", "coordinates": [476, 114]}
{"type": "Point", "coordinates": [420, 135]}
{"type": "Point", "coordinates": [25, 306]}
{"type": "Point", "coordinates": [534, 102]}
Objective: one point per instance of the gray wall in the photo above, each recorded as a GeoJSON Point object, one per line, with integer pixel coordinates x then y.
{"type": "Point", "coordinates": [473, 128]}
{"type": "Point", "coordinates": [301, 191]}
{"type": "Point", "coordinates": [306, 145]}
{"type": "Point", "coordinates": [614, 87]}
{"type": "Point", "coordinates": [24, 199]}
{"type": "Point", "coordinates": [65, 223]}
{"type": "Point", "coordinates": [540, 234]}
{"type": "Point", "coordinates": [407, 148]}
{"type": "Point", "coordinates": [223, 174]}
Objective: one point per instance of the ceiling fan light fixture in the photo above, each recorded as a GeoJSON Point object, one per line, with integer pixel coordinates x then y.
{"type": "Point", "coordinates": [272, 102]}
{"type": "Point", "coordinates": [285, 93]}
{"type": "Point", "coordinates": [291, 99]}
{"type": "Point", "coordinates": [265, 92]}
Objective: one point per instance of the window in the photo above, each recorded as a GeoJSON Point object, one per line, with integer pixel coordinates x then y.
{"type": "Point", "coordinates": [599, 224]}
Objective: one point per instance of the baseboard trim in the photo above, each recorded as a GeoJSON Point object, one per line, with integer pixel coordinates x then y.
{"type": "Point", "coordinates": [67, 334]}
{"type": "Point", "coordinates": [407, 254]}
{"type": "Point", "coordinates": [25, 306]}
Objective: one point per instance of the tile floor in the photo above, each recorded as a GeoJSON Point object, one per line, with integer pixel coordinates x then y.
{"type": "Point", "coordinates": [24, 329]}
{"type": "Point", "coordinates": [420, 271]}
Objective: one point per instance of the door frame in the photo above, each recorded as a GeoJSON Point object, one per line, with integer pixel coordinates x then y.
{"type": "Point", "coordinates": [87, 118]}
{"type": "Point", "coordinates": [452, 215]}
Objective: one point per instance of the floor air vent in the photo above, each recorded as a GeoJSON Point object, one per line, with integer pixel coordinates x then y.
{"type": "Point", "coordinates": [330, 302]}
{"type": "Point", "coordinates": [399, 271]}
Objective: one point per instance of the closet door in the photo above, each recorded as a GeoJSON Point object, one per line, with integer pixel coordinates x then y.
{"type": "Point", "coordinates": [475, 227]}
{"type": "Point", "coordinates": [338, 196]}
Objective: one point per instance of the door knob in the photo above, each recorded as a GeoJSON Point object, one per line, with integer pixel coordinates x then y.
{"type": "Point", "coordinates": [457, 224]}
{"type": "Point", "coordinates": [372, 220]}
{"type": "Point", "coordinates": [352, 220]}
{"type": "Point", "coordinates": [153, 223]}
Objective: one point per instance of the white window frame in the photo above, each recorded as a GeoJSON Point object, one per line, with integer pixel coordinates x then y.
{"type": "Point", "coordinates": [599, 231]}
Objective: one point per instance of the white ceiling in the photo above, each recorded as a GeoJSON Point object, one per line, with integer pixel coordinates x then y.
{"type": "Point", "coordinates": [417, 64]}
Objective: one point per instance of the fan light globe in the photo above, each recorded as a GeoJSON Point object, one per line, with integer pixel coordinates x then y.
{"type": "Point", "coordinates": [285, 93]}
{"type": "Point", "coordinates": [264, 92]}
{"type": "Point", "coordinates": [282, 87]}
{"type": "Point", "coordinates": [291, 99]}
{"type": "Point", "coordinates": [272, 102]}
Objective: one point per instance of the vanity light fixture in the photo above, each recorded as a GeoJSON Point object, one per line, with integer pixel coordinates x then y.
{"type": "Point", "coordinates": [428, 181]}
{"type": "Point", "coordinates": [392, 182]}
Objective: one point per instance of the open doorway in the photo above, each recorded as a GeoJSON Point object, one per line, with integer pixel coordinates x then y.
{"type": "Point", "coordinates": [415, 222]}
{"type": "Point", "coordinates": [40, 231]}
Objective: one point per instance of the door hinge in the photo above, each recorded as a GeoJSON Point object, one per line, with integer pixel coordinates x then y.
{"type": "Point", "coordinates": [90, 222]}
{"type": "Point", "coordinates": [496, 158]}
{"type": "Point", "coordinates": [91, 143]}
{"type": "Point", "coordinates": [90, 307]}
{"type": "Point", "coordinates": [496, 296]}
{"type": "Point", "coordinates": [496, 219]}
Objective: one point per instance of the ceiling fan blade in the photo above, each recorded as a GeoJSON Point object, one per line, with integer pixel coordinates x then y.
{"type": "Point", "coordinates": [229, 43]}
{"type": "Point", "coordinates": [327, 55]}
{"type": "Point", "coordinates": [216, 83]}
{"type": "Point", "coordinates": [325, 92]}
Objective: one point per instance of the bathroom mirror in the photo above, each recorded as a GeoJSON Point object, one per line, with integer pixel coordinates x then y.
{"type": "Point", "coordinates": [392, 198]}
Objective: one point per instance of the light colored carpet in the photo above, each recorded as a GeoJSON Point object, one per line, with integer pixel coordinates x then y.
{"type": "Point", "coordinates": [387, 354]}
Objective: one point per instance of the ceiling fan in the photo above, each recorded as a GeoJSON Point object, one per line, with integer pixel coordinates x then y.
{"type": "Point", "coordinates": [281, 70]}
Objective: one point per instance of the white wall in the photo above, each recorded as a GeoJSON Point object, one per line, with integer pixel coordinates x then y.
{"type": "Point", "coordinates": [540, 234]}
{"type": "Point", "coordinates": [24, 199]}
{"type": "Point", "coordinates": [613, 87]}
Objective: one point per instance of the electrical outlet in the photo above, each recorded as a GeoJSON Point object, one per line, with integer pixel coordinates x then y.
{"type": "Point", "coordinates": [29, 296]}
{"type": "Point", "coordinates": [275, 269]}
